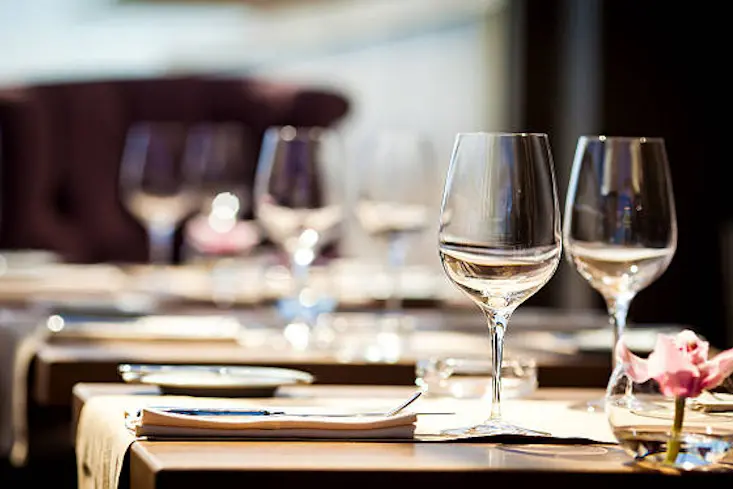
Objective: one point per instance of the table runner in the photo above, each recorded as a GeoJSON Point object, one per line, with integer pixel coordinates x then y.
{"type": "Point", "coordinates": [102, 439]}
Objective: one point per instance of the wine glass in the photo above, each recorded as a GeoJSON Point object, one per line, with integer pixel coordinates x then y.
{"type": "Point", "coordinates": [299, 202]}
{"type": "Point", "coordinates": [394, 196]}
{"type": "Point", "coordinates": [620, 228]}
{"type": "Point", "coordinates": [155, 185]}
{"type": "Point", "coordinates": [223, 232]}
{"type": "Point", "coordinates": [499, 237]}
{"type": "Point", "coordinates": [224, 228]}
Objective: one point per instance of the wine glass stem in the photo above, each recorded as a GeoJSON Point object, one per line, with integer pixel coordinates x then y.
{"type": "Point", "coordinates": [300, 267]}
{"type": "Point", "coordinates": [300, 274]}
{"type": "Point", "coordinates": [497, 326]}
{"type": "Point", "coordinates": [397, 250]}
{"type": "Point", "coordinates": [160, 236]}
{"type": "Point", "coordinates": [618, 309]}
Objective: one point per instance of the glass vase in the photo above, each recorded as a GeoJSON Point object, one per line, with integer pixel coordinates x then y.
{"type": "Point", "coordinates": [666, 434]}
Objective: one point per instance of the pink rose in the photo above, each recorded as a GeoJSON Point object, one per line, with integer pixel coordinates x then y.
{"type": "Point", "coordinates": [679, 364]}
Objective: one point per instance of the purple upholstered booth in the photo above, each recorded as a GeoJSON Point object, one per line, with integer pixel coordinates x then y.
{"type": "Point", "coordinates": [62, 144]}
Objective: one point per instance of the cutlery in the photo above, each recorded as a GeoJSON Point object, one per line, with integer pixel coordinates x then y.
{"type": "Point", "coordinates": [214, 411]}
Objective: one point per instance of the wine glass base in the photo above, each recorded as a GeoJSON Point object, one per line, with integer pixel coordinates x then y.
{"type": "Point", "coordinates": [494, 427]}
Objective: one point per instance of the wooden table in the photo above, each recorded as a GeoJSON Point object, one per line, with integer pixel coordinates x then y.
{"type": "Point", "coordinates": [196, 464]}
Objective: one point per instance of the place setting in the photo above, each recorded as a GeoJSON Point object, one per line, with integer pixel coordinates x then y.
{"type": "Point", "coordinates": [498, 256]}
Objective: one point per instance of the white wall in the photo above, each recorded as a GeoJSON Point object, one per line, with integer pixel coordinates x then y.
{"type": "Point", "coordinates": [83, 38]}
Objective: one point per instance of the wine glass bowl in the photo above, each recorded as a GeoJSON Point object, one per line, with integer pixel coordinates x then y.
{"type": "Point", "coordinates": [499, 236]}
{"type": "Point", "coordinates": [620, 228]}
{"type": "Point", "coordinates": [155, 185]}
{"type": "Point", "coordinates": [297, 192]}
{"type": "Point", "coordinates": [224, 231]}
{"type": "Point", "coordinates": [394, 185]}
{"type": "Point", "coordinates": [217, 152]}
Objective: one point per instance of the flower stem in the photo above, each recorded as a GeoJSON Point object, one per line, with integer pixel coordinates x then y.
{"type": "Point", "coordinates": [673, 447]}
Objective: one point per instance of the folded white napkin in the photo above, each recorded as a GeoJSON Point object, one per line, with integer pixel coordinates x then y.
{"type": "Point", "coordinates": [153, 422]}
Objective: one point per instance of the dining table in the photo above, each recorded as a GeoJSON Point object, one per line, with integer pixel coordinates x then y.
{"type": "Point", "coordinates": [91, 350]}
{"type": "Point", "coordinates": [62, 360]}
{"type": "Point", "coordinates": [89, 323]}
{"type": "Point", "coordinates": [580, 449]}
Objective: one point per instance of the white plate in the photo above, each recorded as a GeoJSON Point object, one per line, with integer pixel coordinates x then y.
{"type": "Point", "coordinates": [215, 380]}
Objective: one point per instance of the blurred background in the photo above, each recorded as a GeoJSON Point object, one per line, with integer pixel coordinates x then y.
{"type": "Point", "coordinates": [75, 75]}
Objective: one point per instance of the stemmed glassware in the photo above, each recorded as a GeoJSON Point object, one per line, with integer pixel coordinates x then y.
{"type": "Point", "coordinates": [299, 202]}
{"type": "Point", "coordinates": [224, 232]}
{"type": "Point", "coordinates": [156, 186]}
{"type": "Point", "coordinates": [499, 236]}
{"type": "Point", "coordinates": [395, 185]}
{"type": "Point", "coordinates": [620, 227]}
{"type": "Point", "coordinates": [217, 153]}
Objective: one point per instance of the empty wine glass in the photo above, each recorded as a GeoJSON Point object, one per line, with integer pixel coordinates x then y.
{"type": "Point", "coordinates": [155, 185]}
{"type": "Point", "coordinates": [224, 231]}
{"type": "Point", "coordinates": [217, 152]}
{"type": "Point", "coordinates": [620, 228]}
{"type": "Point", "coordinates": [395, 185]}
{"type": "Point", "coordinates": [499, 237]}
{"type": "Point", "coordinates": [299, 202]}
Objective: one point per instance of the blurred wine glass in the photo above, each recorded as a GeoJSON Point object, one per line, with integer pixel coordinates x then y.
{"type": "Point", "coordinates": [223, 232]}
{"type": "Point", "coordinates": [155, 185]}
{"type": "Point", "coordinates": [299, 202]}
{"type": "Point", "coordinates": [394, 197]}
{"type": "Point", "coordinates": [217, 152]}
{"type": "Point", "coordinates": [620, 228]}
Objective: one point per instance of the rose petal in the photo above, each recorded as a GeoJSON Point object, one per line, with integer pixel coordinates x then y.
{"type": "Point", "coordinates": [719, 368]}
{"type": "Point", "coordinates": [680, 384]}
{"type": "Point", "coordinates": [690, 343]}
{"type": "Point", "coordinates": [636, 368]}
{"type": "Point", "coordinates": [674, 369]}
{"type": "Point", "coordinates": [667, 358]}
